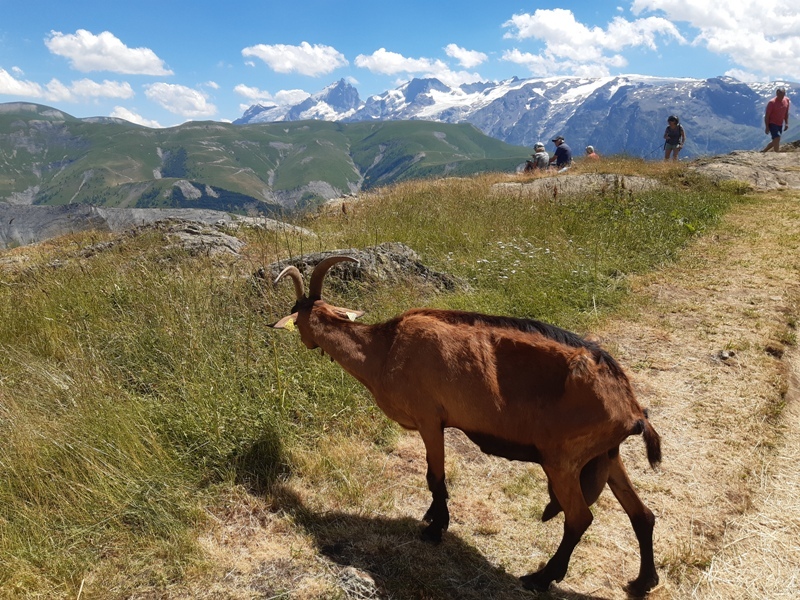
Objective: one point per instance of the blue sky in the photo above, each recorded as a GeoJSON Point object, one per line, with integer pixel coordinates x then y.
{"type": "Point", "coordinates": [163, 63]}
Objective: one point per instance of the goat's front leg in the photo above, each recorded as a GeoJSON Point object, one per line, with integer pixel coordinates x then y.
{"type": "Point", "coordinates": [437, 515]}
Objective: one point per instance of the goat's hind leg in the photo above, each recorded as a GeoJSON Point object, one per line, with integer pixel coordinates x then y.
{"type": "Point", "coordinates": [438, 516]}
{"type": "Point", "coordinates": [593, 479]}
{"type": "Point", "coordinates": [577, 518]}
{"type": "Point", "coordinates": [643, 522]}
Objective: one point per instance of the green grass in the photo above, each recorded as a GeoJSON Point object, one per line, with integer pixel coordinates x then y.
{"type": "Point", "coordinates": [564, 262]}
{"type": "Point", "coordinates": [139, 383]}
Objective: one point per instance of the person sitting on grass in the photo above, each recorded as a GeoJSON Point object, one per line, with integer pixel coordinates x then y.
{"type": "Point", "coordinates": [562, 157]}
{"type": "Point", "coordinates": [540, 159]}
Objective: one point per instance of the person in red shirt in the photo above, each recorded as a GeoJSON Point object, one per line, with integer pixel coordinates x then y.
{"type": "Point", "coordinates": [776, 119]}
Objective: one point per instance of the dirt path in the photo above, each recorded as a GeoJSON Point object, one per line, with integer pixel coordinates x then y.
{"type": "Point", "coordinates": [760, 554]}
{"type": "Point", "coordinates": [709, 346]}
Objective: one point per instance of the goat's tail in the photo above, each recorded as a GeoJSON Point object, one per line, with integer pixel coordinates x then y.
{"type": "Point", "coordinates": [652, 442]}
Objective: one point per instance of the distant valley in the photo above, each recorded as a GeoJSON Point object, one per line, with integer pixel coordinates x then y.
{"type": "Point", "coordinates": [48, 157]}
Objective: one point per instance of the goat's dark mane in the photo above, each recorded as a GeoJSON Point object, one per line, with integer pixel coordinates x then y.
{"type": "Point", "coordinates": [557, 334]}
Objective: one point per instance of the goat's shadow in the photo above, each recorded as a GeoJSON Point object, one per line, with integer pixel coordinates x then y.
{"type": "Point", "coordinates": [401, 564]}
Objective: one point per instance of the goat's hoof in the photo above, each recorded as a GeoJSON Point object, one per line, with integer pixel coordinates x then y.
{"type": "Point", "coordinates": [640, 586]}
{"type": "Point", "coordinates": [550, 511]}
{"type": "Point", "coordinates": [432, 534]}
{"type": "Point", "coordinates": [535, 582]}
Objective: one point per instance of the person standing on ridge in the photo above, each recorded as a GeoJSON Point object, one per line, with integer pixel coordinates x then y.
{"type": "Point", "coordinates": [776, 119]}
{"type": "Point", "coordinates": [562, 157]}
{"type": "Point", "coordinates": [674, 138]}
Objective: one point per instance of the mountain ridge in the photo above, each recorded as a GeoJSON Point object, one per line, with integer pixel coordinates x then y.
{"type": "Point", "coordinates": [48, 157]}
{"type": "Point", "coordinates": [623, 114]}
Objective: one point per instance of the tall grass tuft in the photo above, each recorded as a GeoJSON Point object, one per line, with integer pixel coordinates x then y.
{"type": "Point", "coordinates": [137, 381]}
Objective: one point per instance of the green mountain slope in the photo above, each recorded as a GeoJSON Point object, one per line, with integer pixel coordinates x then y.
{"type": "Point", "coordinates": [50, 157]}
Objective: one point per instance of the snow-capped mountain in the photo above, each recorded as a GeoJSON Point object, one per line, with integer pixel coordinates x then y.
{"type": "Point", "coordinates": [621, 114]}
{"type": "Point", "coordinates": [337, 102]}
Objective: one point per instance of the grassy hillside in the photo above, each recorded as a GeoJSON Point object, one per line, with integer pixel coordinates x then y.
{"type": "Point", "coordinates": [143, 398]}
{"type": "Point", "coordinates": [48, 157]}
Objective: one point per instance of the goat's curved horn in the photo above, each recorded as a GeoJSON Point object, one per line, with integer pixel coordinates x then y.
{"type": "Point", "coordinates": [296, 277]}
{"type": "Point", "coordinates": [315, 286]}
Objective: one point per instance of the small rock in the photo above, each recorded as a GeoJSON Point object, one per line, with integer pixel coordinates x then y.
{"type": "Point", "coordinates": [358, 584]}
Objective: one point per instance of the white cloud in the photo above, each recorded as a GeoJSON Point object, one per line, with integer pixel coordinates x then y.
{"type": "Point", "coordinates": [385, 62]}
{"type": "Point", "coordinates": [745, 76]}
{"type": "Point", "coordinates": [763, 38]}
{"type": "Point", "coordinates": [304, 59]}
{"type": "Point", "coordinates": [542, 65]}
{"type": "Point", "coordinates": [12, 86]}
{"type": "Point", "coordinates": [56, 91]}
{"type": "Point", "coordinates": [291, 96]}
{"type": "Point", "coordinates": [559, 29]}
{"type": "Point", "coordinates": [570, 46]}
{"type": "Point", "coordinates": [455, 78]}
{"type": "Point", "coordinates": [104, 52]}
{"type": "Point", "coordinates": [86, 88]}
{"type": "Point", "coordinates": [121, 112]}
{"type": "Point", "coordinates": [253, 93]}
{"type": "Point", "coordinates": [180, 100]}
{"type": "Point", "coordinates": [283, 97]}
{"type": "Point", "coordinates": [17, 71]}
{"type": "Point", "coordinates": [466, 58]}
{"type": "Point", "coordinates": [391, 63]}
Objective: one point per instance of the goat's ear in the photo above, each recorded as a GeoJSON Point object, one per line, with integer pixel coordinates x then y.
{"type": "Point", "coordinates": [286, 322]}
{"type": "Point", "coordinates": [348, 313]}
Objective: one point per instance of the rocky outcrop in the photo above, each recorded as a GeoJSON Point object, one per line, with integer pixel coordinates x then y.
{"type": "Point", "coordinates": [763, 171]}
{"type": "Point", "coordinates": [568, 184]}
{"type": "Point", "coordinates": [392, 262]}
{"type": "Point", "coordinates": [195, 238]}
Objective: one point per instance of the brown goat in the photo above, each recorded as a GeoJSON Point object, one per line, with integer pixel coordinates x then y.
{"type": "Point", "coordinates": [519, 389]}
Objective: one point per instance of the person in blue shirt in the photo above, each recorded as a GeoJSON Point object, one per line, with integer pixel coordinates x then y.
{"type": "Point", "coordinates": [562, 157]}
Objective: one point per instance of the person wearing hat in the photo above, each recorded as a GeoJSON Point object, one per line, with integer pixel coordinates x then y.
{"type": "Point", "coordinates": [562, 157]}
{"type": "Point", "coordinates": [541, 159]}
